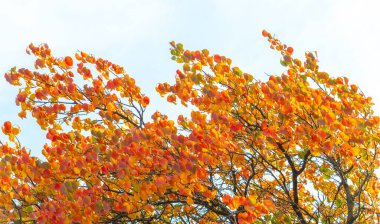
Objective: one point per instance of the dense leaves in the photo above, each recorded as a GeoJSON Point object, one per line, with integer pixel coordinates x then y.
{"type": "Point", "coordinates": [300, 147]}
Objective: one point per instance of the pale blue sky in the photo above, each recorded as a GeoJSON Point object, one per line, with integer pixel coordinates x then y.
{"type": "Point", "coordinates": [135, 34]}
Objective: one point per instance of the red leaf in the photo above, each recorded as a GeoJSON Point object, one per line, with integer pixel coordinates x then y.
{"type": "Point", "coordinates": [7, 127]}
{"type": "Point", "coordinates": [265, 33]}
{"type": "Point", "coordinates": [290, 50]}
{"type": "Point", "coordinates": [69, 61]}
{"type": "Point", "coordinates": [217, 58]}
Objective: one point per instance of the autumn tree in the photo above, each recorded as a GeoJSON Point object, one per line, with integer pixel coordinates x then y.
{"type": "Point", "coordinates": [300, 147]}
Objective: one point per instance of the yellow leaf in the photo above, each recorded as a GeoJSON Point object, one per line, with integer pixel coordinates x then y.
{"type": "Point", "coordinates": [252, 199]}
{"type": "Point", "coordinates": [111, 107]}
{"type": "Point", "coordinates": [356, 151]}
{"type": "Point", "coordinates": [76, 170]}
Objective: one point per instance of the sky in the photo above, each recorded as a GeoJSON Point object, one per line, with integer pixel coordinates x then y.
{"type": "Point", "coordinates": [136, 35]}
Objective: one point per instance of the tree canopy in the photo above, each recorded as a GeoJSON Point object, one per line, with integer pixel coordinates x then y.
{"type": "Point", "coordinates": [300, 147]}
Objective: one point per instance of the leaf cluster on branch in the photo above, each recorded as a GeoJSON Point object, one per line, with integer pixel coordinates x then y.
{"type": "Point", "coordinates": [301, 147]}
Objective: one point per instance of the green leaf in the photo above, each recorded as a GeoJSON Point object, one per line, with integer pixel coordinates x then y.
{"type": "Point", "coordinates": [94, 139]}
{"type": "Point", "coordinates": [180, 46]}
{"type": "Point", "coordinates": [237, 71]}
{"type": "Point", "coordinates": [323, 169]}
{"type": "Point", "coordinates": [29, 209]}
{"type": "Point", "coordinates": [339, 203]}
{"type": "Point", "coordinates": [43, 165]}
{"type": "Point", "coordinates": [302, 154]}
{"type": "Point", "coordinates": [98, 206]}
{"type": "Point", "coordinates": [69, 187]}
{"type": "Point", "coordinates": [326, 176]}
{"type": "Point", "coordinates": [136, 187]}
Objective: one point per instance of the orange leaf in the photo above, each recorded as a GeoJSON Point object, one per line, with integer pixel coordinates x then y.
{"type": "Point", "coordinates": [189, 201]}
{"type": "Point", "coordinates": [146, 100]}
{"type": "Point", "coordinates": [69, 61]}
{"type": "Point", "coordinates": [269, 204]}
{"type": "Point", "coordinates": [290, 50]}
{"type": "Point", "coordinates": [217, 58]}
{"type": "Point", "coordinates": [265, 33]}
{"type": "Point", "coordinates": [7, 127]}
